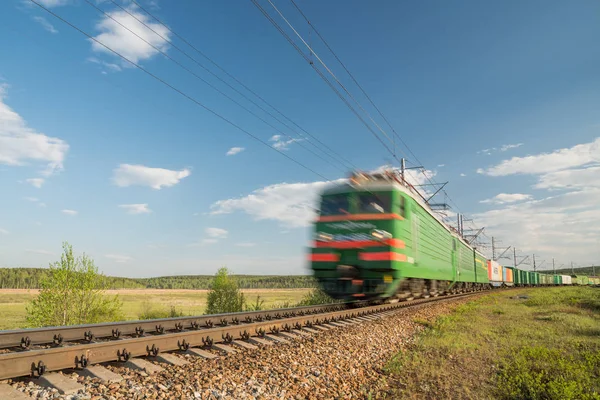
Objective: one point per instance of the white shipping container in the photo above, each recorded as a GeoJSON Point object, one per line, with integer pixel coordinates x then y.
{"type": "Point", "coordinates": [566, 280]}
{"type": "Point", "coordinates": [494, 271]}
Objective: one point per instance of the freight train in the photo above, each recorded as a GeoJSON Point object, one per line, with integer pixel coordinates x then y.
{"type": "Point", "coordinates": [376, 238]}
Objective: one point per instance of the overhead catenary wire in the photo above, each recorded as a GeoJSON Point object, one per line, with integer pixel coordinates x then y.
{"type": "Point", "coordinates": [309, 61]}
{"type": "Point", "coordinates": [332, 153]}
{"type": "Point", "coordinates": [320, 73]}
{"type": "Point", "coordinates": [187, 96]}
{"type": "Point", "coordinates": [418, 162]}
{"type": "Point", "coordinates": [312, 52]}
{"type": "Point", "coordinates": [202, 79]}
{"type": "Point", "coordinates": [356, 82]}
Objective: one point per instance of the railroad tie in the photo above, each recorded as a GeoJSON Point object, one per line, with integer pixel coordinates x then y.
{"type": "Point", "coordinates": [170, 359]}
{"type": "Point", "coordinates": [310, 330]}
{"type": "Point", "coordinates": [63, 384]}
{"type": "Point", "coordinates": [258, 340]}
{"type": "Point", "coordinates": [99, 372]}
{"type": "Point", "coordinates": [288, 335]}
{"type": "Point", "coordinates": [276, 338]}
{"type": "Point", "coordinates": [224, 348]}
{"type": "Point", "coordinates": [7, 392]}
{"type": "Point", "coordinates": [143, 365]}
{"type": "Point", "coordinates": [244, 345]}
{"type": "Point", "coordinates": [201, 353]}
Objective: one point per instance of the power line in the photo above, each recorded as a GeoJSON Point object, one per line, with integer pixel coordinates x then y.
{"type": "Point", "coordinates": [199, 77]}
{"type": "Point", "coordinates": [357, 84]}
{"type": "Point", "coordinates": [286, 36]}
{"type": "Point", "coordinates": [198, 103]}
{"type": "Point", "coordinates": [344, 160]}
{"type": "Point", "coordinates": [312, 52]}
{"type": "Point", "coordinates": [354, 80]}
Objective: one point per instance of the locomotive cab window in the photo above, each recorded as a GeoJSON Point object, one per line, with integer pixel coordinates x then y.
{"type": "Point", "coordinates": [335, 205]}
{"type": "Point", "coordinates": [369, 203]}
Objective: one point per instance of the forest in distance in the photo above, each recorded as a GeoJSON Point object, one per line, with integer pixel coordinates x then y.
{"type": "Point", "coordinates": [31, 278]}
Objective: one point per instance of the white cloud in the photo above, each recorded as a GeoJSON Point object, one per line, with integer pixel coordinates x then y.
{"type": "Point", "coordinates": [510, 146]}
{"type": "Point", "coordinates": [4, 232]}
{"type": "Point", "coordinates": [119, 258]}
{"type": "Point", "coordinates": [128, 175]}
{"type": "Point", "coordinates": [441, 165]}
{"type": "Point", "coordinates": [280, 143]}
{"type": "Point", "coordinates": [69, 212]}
{"type": "Point", "coordinates": [576, 156]}
{"type": "Point", "coordinates": [234, 150]}
{"type": "Point", "coordinates": [136, 208]}
{"type": "Point", "coordinates": [36, 182]}
{"type": "Point", "coordinates": [572, 178]}
{"type": "Point", "coordinates": [293, 204]}
{"type": "Point", "coordinates": [32, 199]}
{"type": "Point", "coordinates": [105, 66]}
{"type": "Point", "coordinates": [209, 241]}
{"type": "Point", "coordinates": [487, 152]}
{"type": "Point", "coordinates": [566, 226]}
{"type": "Point", "coordinates": [216, 233]}
{"type": "Point", "coordinates": [246, 244]}
{"type": "Point", "coordinates": [124, 42]}
{"type": "Point", "coordinates": [463, 174]}
{"type": "Point", "coordinates": [39, 251]}
{"type": "Point", "coordinates": [504, 147]}
{"type": "Point", "coordinates": [20, 144]}
{"type": "Point", "coordinates": [45, 24]}
{"type": "Point", "coordinates": [42, 205]}
{"type": "Point", "coordinates": [53, 3]}
{"type": "Point", "coordinates": [503, 198]}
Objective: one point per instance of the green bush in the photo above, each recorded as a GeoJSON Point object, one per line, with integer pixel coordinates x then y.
{"type": "Point", "coordinates": [224, 295]}
{"type": "Point", "coordinates": [315, 297]}
{"type": "Point", "coordinates": [73, 294]}
{"type": "Point", "coordinates": [149, 312]}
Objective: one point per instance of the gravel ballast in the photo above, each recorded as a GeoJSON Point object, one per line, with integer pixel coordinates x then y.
{"type": "Point", "coordinates": [341, 363]}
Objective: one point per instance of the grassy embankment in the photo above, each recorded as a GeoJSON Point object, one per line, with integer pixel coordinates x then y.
{"type": "Point", "coordinates": [546, 346]}
{"type": "Point", "coordinates": [136, 302]}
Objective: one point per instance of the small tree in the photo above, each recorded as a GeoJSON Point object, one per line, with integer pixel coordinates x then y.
{"type": "Point", "coordinates": [224, 295]}
{"type": "Point", "coordinates": [72, 294]}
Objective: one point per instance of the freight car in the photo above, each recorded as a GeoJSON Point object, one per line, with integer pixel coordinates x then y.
{"type": "Point", "coordinates": [376, 238]}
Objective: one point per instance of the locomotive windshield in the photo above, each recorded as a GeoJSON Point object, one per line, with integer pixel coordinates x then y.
{"type": "Point", "coordinates": [335, 205]}
{"type": "Point", "coordinates": [371, 203]}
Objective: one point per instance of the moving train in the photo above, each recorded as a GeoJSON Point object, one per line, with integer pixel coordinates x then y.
{"type": "Point", "coordinates": [376, 238]}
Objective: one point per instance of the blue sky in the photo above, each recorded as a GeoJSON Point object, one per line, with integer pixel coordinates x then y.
{"type": "Point", "coordinates": [501, 99]}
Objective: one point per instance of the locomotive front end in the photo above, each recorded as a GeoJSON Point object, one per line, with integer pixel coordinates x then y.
{"type": "Point", "coordinates": [356, 254]}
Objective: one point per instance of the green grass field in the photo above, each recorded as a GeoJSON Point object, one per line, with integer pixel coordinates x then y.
{"type": "Point", "coordinates": [137, 301]}
{"type": "Point", "coordinates": [546, 346]}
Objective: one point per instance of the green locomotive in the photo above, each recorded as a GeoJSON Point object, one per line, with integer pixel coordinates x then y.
{"type": "Point", "coordinates": [376, 238]}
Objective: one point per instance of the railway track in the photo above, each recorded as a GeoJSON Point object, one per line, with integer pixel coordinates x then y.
{"type": "Point", "coordinates": [82, 347]}
{"type": "Point", "coordinates": [32, 352]}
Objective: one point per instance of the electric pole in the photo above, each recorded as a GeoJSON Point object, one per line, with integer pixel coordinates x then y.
{"type": "Point", "coordinates": [534, 263]}
{"type": "Point", "coordinates": [493, 249]}
{"type": "Point", "coordinates": [553, 269]}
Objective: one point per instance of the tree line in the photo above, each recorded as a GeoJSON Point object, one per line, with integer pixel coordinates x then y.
{"type": "Point", "coordinates": [32, 278]}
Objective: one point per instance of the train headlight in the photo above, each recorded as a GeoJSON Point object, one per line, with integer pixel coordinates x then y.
{"type": "Point", "coordinates": [381, 234]}
{"type": "Point", "coordinates": [323, 237]}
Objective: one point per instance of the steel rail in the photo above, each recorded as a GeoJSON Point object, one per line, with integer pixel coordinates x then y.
{"type": "Point", "coordinates": [76, 356]}
{"type": "Point", "coordinates": [59, 334]}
